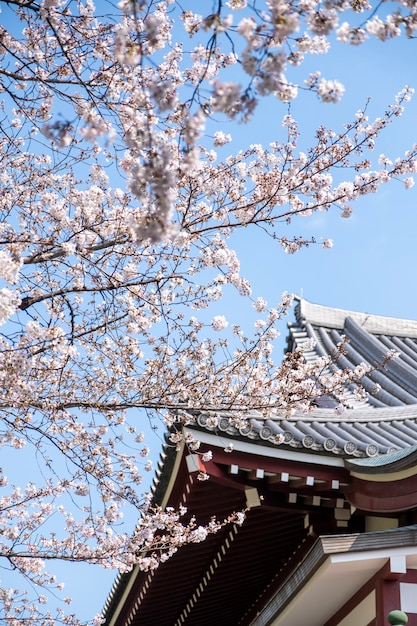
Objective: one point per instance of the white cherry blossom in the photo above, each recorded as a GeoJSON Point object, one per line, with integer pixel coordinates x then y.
{"type": "Point", "coordinates": [121, 194]}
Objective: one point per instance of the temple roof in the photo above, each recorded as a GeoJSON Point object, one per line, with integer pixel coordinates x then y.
{"type": "Point", "coordinates": [327, 475]}
{"type": "Point", "coordinates": [368, 339]}
{"type": "Point", "coordinates": [383, 423]}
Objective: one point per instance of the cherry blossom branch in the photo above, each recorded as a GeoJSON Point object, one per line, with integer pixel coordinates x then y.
{"type": "Point", "coordinates": [117, 218]}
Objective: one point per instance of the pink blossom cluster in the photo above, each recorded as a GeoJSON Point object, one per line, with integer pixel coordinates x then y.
{"type": "Point", "coordinates": [119, 201]}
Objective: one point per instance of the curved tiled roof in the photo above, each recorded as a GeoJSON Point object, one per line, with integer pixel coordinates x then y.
{"type": "Point", "coordinates": [357, 433]}
{"type": "Point", "coordinates": [383, 423]}
{"type": "Point", "coordinates": [399, 460]}
{"type": "Point", "coordinates": [369, 339]}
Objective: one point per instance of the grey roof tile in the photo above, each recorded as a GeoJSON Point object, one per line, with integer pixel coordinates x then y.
{"type": "Point", "coordinates": [385, 422]}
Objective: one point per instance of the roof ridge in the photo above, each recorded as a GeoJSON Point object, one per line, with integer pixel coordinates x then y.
{"type": "Point", "coordinates": [332, 317]}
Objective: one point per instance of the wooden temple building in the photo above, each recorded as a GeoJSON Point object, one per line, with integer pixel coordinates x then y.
{"type": "Point", "coordinates": [330, 536]}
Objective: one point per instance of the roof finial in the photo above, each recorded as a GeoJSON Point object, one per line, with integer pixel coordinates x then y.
{"type": "Point", "coordinates": [397, 618]}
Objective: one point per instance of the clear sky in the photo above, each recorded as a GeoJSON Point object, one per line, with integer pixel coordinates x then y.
{"type": "Point", "coordinates": [372, 266]}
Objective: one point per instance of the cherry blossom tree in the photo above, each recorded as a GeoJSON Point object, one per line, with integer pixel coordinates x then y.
{"type": "Point", "coordinates": [118, 206]}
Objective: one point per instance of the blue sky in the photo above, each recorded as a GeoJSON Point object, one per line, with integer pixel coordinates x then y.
{"type": "Point", "coordinates": [372, 266]}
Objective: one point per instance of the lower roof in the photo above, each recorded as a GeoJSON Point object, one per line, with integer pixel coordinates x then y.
{"type": "Point", "coordinates": [334, 569]}
{"type": "Point", "coordinates": [360, 432]}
